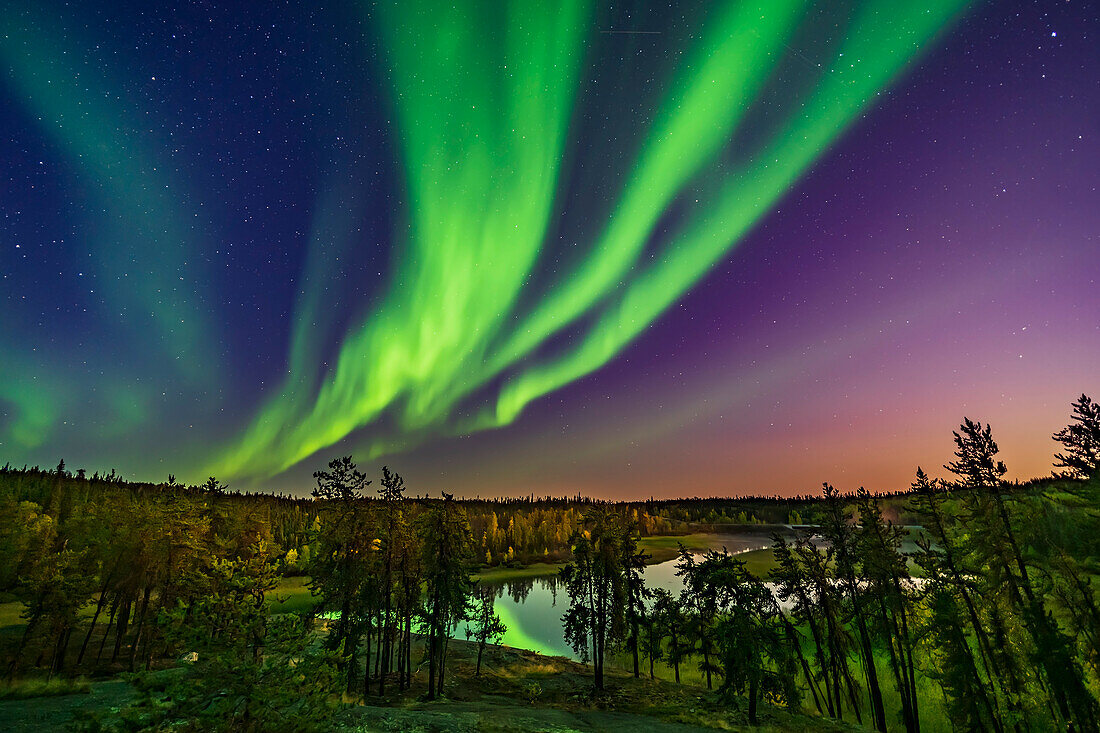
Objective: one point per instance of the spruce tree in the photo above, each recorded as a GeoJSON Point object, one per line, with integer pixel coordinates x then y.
{"type": "Point", "coordinates": [1081, 440]}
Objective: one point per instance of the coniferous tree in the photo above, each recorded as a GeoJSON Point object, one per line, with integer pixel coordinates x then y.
{"type": "Point", "coordinates": [1081, 440]}
{"type": "Point", "coordinates": [996, 538]}
{"type": "Point", "coordinates": [339, 567]}
{"type": "Point", "coordinates": [595, 620]}
{"type": "Point", "coordinates": [751, 643]}
{"type": "Point", "coordinates": [970, 674]}
{"type": "Point", "coordinates": [486, 628]}
{"type": "Point", "coordinates": [884, 574]}
{"type": "Point", "coordinates": [668, 618]}
{"type": "Point", "coordinates": [447, 547]}
{"type": "Point", "coordinates": [701, 601]}
{"type": "Point", "coordinates": [819, 566]}
{"type": "Point", "coordinates": [794, 586]}
{"type": "Point", "coordinates": [635, 593]}
{"type": "Point", "coordinates": [652, 642]}
{"type": "Point", "coordinates": [392, 492]}
{"type": "Point", "coordinates": [841, 536]}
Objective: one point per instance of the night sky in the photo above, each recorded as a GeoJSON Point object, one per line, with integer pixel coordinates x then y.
{"type": "Point", "coordinates": [625, 250]}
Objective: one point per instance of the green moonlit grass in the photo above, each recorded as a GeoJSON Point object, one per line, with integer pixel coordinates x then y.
{"type": "Point", "coordinates": [483, 95]}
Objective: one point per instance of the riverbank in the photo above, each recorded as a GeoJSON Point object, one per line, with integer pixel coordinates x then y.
{"type": "Point", "coordinates": [660, 548]}
{"type": "Point", "coordinates": [663, 548]}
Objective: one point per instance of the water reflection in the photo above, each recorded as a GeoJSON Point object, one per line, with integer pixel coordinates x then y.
{"type": "Point", "coordinates": [532, 608]}
{"type": "Point", "coordinates": [520, 588]}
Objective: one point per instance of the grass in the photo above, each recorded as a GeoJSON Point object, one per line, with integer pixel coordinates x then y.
{"type": "Point", "coordinates": [759, 562]}
{"type": "Point", "coordinates": [933, 715]}
{"type": "Point", "coordinates": [520, 691]}
{"type": "Point", "coordinates": [665, 548]}
{"type": "Point", "coordinates": [39, 687]}
{"type": "Point", "coordinates": [48, 714]}
{"type": "Point", "coordinates": [291, 595]}
{"type": "Point", "coordinates": [534, 570]}
{"type": "Point", "coordinates": [10, 614]}
{"type": "Point", "coordinates": [517, 692]}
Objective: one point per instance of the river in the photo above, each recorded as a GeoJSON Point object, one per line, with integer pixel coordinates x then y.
{"type": "Point", "coordinates": [532, 608]}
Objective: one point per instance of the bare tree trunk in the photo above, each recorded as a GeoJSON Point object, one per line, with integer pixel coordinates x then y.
{"type": "Point", "coordinates": [107, 631]}
{"type": "Point", "coordinates": [31, 624]}
{"type": "Point", "coordinates": [443, 661]}
{"type": "Point", "coordinates": [91, 627]}
{"type": "Point", "coordinates": [675, 649]}
{"type": "Point", "coordinates": [386, 649]}
{"type": "Point", "coordinates": [57, 664]}
{"type": "Point", "coordinates": [706, 663]}
{"type": "Point", "coordinates": [851, 685]}
{"type": "Point", "coordinates": [754, 692]}
{"type": "Point", "coordinates": [811, 682]}
{"type": "Point", "coordinates": [431, 663]}
{"type": "Point", "coordinates": [408, 651]}
{"type": "Point", "coordinates": [140, 626]}
{"type": "Point", "coordinates": [120, 628]}
{"type": "Point", "coordinates": [878, 710]}
{"type": "Point", "coordinates": [366, 664]}
{"type": "Point", "coordinates": [634, 641]}
{"type": "Point", "coordinates": [378, 656]}
{"type": "Point", "coordinates": [399, 645]}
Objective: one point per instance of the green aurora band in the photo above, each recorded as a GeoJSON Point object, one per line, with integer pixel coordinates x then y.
{"type": "Point", "coordinates": [482, 130]}
{"type": "Point", "coordinates": [142, 236]}
{"type": "Point", "coordinates": [499, 291]}
{"type": "Point", "coordinates": [142, 246]}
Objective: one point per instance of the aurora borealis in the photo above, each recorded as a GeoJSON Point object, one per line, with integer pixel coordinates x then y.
{"type": "Point", "coordinates": [546, 247]}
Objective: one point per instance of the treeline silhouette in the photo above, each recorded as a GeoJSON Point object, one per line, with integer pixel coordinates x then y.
{"type": "Point", "coordinates": [993, 599]}
{"type": "Point", "coordinates": [996, 602]}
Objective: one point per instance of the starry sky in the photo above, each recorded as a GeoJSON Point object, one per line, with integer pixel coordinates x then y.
{"type": "Point", "coordinates": [620, 249]}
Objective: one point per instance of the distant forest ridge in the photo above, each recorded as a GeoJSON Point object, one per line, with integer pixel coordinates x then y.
{"type": "Point", "coordinates": [683, 514]}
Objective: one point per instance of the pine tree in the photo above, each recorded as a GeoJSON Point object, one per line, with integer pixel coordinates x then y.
{"type": "Point", "coordinates": [339, 568]}
{"type": "Point", "coordinates": [1081, 440]}
{"type": "Point", "coordinates": [635, 593]}
{"type": "Point", "coordinates": [446, 542]}
{"type": "Point", "coordinates": [840, 535]}
{"type": "Point", "coordinates": [885, 575]}
{"type": "Point", "coordinates": [950, 597]}
{"type": "Point", "coordinates": [668, 618]}
{"type": "Point", "coordinates": [487, 627]}
{"type": "Point", "coordinates": [980, 475]}
{"type": "Point", "coordinates": [595, 619]}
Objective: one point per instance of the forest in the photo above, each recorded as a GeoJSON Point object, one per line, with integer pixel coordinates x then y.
{"type": "Point", "coordinates": [981, 589]}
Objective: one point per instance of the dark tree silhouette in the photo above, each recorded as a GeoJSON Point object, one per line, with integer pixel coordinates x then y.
{"type": "Point", "coordinates": [448, 560]}
{"type": "Point", "coordinates": [1081, 440]}
{"type": "Point", "coordinates": [486, 626]}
